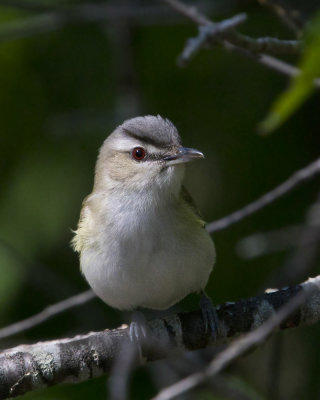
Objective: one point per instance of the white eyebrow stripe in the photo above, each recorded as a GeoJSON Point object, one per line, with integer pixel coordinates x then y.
{"type": "Point", "coordinates": [124, 144]}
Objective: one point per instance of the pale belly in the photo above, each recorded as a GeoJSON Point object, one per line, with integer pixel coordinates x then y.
{"type": "Point", "coordinates": [148, 269]}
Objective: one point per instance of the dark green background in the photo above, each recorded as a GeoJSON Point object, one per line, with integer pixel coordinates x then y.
{"type": "Point", "coordinates": [63, 92]}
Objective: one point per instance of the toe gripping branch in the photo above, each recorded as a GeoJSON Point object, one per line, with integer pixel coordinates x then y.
{"type": "Point", "coordinates": [138, 328]}
{"type": "Point", "coordinates": [209, 315]}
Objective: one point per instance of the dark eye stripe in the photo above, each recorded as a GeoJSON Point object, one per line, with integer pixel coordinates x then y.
{"type": "Point", "coordinates": [154, 156]}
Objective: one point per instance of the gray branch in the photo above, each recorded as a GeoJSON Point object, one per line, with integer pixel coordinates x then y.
{"type": "Point", "coordinates": [242, 44]}
{"type": "Point", "coordinates": [47, 313]}
{"type": "Point", "coordinates": [209, 32]}
{"type": "Point", "coordinates": [291, 17]}
{"type": "Point", "coordinates": [293, 181]}
{"type": "Point", "coordinates": [259, 45]}
{"type": "Point", "coordinates": [31, 367]}
{"type": "Point", "coordinates": [224, 32]}
{"type": "Point", "coordinates": [240, 345]}
{"type": "Point", "coordinates": [269, 45]}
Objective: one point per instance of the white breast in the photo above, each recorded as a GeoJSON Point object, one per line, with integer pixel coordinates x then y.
{"type": "Point", "coordinates": [148, 255]}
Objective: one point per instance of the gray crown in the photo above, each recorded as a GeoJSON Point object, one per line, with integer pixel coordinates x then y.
{"type": "Point", "coordinates": [154, 130]}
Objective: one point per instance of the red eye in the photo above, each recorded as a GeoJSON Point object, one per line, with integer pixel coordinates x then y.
{"type": "Point", "coordinates": [138, 153]}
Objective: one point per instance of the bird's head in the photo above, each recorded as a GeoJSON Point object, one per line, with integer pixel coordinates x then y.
{"type": "Point", "coordinates": [143, 152]}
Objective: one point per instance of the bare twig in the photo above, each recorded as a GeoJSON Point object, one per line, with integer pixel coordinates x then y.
{"type": "Point", "coordinates": [208, 33]}
{"type": "Point", "coordinates": [291, 18]}
{"type": "Point", "coordinates": [46, 314]}
{"type": "Point", "coordinates": [296, 179]}
{"type": "Point", "coordinates": [190, 12]}
{"type": "Point", "coordinates": [264, 44]}
{"type": "Point", "coordinates": [247, 46]}
{"type": "Point", "coordinates": [124, 363]}
{"type": "Point", "coordinates": [29, 367]}
{"type": "Point", "coordinates": [240, 346]}
{"type": "Point", "coordinates": [260, 45]}
{"type": "Point", "coordinates": [270, 62]}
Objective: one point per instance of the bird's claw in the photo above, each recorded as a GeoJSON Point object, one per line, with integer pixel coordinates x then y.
{"type": "Point", "coordinates": [209, 315]}
{"type": "Point", "coordinates": [138, 329]}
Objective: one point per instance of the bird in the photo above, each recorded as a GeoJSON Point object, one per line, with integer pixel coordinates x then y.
{"type": "Point", "coordinates": [141, 241]}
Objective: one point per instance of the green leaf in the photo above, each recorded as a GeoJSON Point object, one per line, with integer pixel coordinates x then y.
{"type": "Point", "coordinates": [301, 86]}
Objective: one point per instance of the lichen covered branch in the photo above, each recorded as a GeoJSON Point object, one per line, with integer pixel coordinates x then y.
{"type": "Point", "coordinates": [31, 367]}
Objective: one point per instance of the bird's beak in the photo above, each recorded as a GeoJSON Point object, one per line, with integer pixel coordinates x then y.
{"type": "Point", "coordinates": [183, 155]}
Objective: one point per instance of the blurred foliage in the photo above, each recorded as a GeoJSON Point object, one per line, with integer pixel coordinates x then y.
{"type": "Point", "coordinates": [302, 86]}
{"type": "Point", "coordinates": [64, 90]}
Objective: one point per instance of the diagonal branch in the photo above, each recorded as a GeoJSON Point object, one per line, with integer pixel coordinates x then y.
{"type": "Point", "coordinates": [30, 367]}
{"type": "Point", "coordinates": [296, 179]}
{"type": "Point", "coordinates": [270, 62]}
{"type": "Point", "coordinates": [291, 18]}
{"type": "Point", "coordinates": [208, 33]}
{"type": "Point", "coordinates": [242, 44]}
{"type": "Point", "coordinates": [269, 45]}
{"type": "Point", "coordinates": [47, 313]}
{"type": "Point", "coordinates": [236, 349]}
{"type": "Point", "coordinates": [266, 44]}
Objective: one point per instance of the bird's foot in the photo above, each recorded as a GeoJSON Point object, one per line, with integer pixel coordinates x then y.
{"type": "Point", "coordinates": [209, 315]}
{"type": "Point", "coordinates": [138, 329]}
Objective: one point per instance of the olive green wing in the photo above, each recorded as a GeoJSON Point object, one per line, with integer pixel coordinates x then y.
{"type": "Point", "coordinates": [189, 200]}
{"type": "Point", "coordinates": [79, 239]}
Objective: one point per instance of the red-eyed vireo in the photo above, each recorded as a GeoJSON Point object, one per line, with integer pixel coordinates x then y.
{"type": "Point", "coordinates": [141, 241]}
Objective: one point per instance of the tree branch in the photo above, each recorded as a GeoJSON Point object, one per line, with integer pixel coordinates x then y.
{"type": "Point", "coordinates": [209, 32]}
{"type": "Point", "coordinates": [47, 313]}
{"type": "Point", "coordinates": [270, 62]}
{"type": "Point", "coordinates": [30, 367]}
{"type": "Point", "coordinates": [269, 45]}
{"type": "Point", "coordinates": [242, 44]}
{"type": "Point", "coordinates": [296, 179]}
{"type": "Point", "coordinates": [237, 348]}
{"type": "Point", "coordinates": [291, 18]}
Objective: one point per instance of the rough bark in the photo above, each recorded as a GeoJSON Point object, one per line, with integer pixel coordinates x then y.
{"type": "Point", "coordinates": [31, 367]}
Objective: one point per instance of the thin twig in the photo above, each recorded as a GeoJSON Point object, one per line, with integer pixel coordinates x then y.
{"type": "Point", "coordinates": [123, 365]}
{"type": "Point", "coordinates": [270, 62]}
{"type": "Point", "coordinates": [190, 12]}
{"type": "Point", "coordinates": [296, 179]}
{"type": "Point", "coordinates": [46, 314]}
{"type": "Point", "coordinates": [245, 45]}
{"type": "Point", "coordinates": [291, 18]}
{"type": "Point", "coordinates": [236, 349]}
{"type": "Point", "coordinates": [259, 45]}
{"type": "Point", "coordinates": [264, 44]}
{"type": "Point", "coordinates": [208, 33]}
